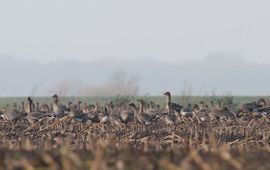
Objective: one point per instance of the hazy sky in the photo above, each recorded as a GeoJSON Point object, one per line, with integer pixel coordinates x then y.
{"type": "Point", "coordinates": [172, 30]}
{"type": "Point", "coordinates": [207, 43]}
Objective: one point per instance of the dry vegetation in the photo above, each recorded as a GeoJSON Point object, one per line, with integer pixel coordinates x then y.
{"type": "Point", "coordinates": [119, 83]}
{"type": "Point", "coordinates": [66, 144]}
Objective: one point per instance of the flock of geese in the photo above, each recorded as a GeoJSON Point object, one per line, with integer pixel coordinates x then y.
{"type": "Point", "coordinates": [137, 112]}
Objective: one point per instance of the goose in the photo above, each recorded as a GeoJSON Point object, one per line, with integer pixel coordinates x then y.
{"type": "Point", "coordinates": [85, 108]}
{"type": "Point", "coordinates": [186, 111]}
{"type": "Point", "coordinates": [58, 109]}
{"type": "Point", "coordinates": [261, 103]}
{"type": "Point", "coordinates": [74, 109]}
{"type": "Point", "coordinates": [152, 105]}
{"type": "Point", "coordinates": [172, 109]}
{"type": "Point", "coordinates": [93, 114]}
{"type": "Point", "coordinates": [264, 109]}
{"type": "Point", "coordinates": [11, 114]}
{"type": "Point", "coordinates": [15, 106]}
{"type": "Point", "coordinates": [114, 115]}
{"type": "Point", "coordinates": [44, 108]}
{"type": "Point", "coordinates": [33, 116]}
{"type": "Point", "coordinates": [202, 114]}
{"type": "Point", "coordinates": [142, 117]}
{"type": "Point", "coordinates": [29, 106]}
{"type": "Point", "coordinates": [104, 116]}
{"type": "Point", "coordinates": [153, 111]}
{"type": "Point", "coordinates": [115, 118]}
{"type": "Point", "coordinates": [134, 108]}
{"type": "Point", "coordinates": [126, 114]}
{"type": "Point", "coordinates": [223, 113]}
{"type": "Point", "coordinates": [253, 106]}
{"type": "Point", "coordinates": [84, 115]}
{"type": "Point", "coordinates": [172, 106]}
{"type": "Point", "coordinates": [201, 105]}
{"type": "Point", "coordinates": [2, 114]}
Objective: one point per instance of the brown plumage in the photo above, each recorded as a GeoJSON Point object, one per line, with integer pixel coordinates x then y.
{"type": "Point", "coordinates": [33, 116]}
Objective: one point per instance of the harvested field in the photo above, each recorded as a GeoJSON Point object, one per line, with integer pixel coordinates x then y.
{"type": "Point", "coordinates": [67, 144]}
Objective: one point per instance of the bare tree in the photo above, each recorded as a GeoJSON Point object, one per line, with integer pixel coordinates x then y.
{"type": "Point", "coordinates": [120, 83]}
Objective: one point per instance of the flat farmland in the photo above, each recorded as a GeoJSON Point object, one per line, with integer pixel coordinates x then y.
{"type": "Point", "coordinates": [66, 143]}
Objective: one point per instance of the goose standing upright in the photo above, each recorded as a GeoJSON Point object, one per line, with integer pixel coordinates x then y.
{"type": "Point", "coordinates": [114, 115]}
{"type": "Point", "coordinates": [33, 116]}
{"type": "Point", "coordinates": [58, 109]}
{"type": "Point", "coordinates": [142, 117]}
{"type": "Point", "coordinates": [173, 110]}
{"type": "Point", "coordinates": [172, 106]}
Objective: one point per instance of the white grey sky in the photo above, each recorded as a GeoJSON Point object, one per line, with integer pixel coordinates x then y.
{"type": "Point", "coordinates": [172, 30]}
{"type": "Point", "coordinates": [207, 43]}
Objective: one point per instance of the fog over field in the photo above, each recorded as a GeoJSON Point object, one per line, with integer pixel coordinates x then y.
{"type": "Point", "coordinates": [219, 72]}
{"type": "Point", "coordinates": [139, 47]}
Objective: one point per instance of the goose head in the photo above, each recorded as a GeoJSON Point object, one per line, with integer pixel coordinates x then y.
{"type": "Point", "coordinates": [55, 97]}
{"type": "Point", "coordinates": [225, 108]}
{"type": "Point", "coordinates": [195, 107]}
{"type": "Point", "coordinates": [167, 94]}
{"type": "Point", "coordinates": [140, 101]}
{"type": "Point", "coordinates": [29, 99]}
{"type": "Point", "coordinates": [132, 105]}
{"type": "Point", "coordinates": [262, 102]}
{"type": "Point", "coordinates": [206, 106]}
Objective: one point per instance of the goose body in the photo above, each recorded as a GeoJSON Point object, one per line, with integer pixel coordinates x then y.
{"type": "Point", "coordinates": [200, 113]}
{"type": "Point", "coordinates": [253, 106]}
{"type": "Point", "coordinates": [58, 109]}
{"type": "Point", "coordinates": [127, 115]}
{"type": "Point", "coordinates": [224, 113]}
{"type": "Point", "coordinates": [170, 118]}
{"type": "Point", "coordinates": [82, 117]}
{"type": "Point", "coordinates": [11, 114]}
{"type": "Point", "coordinates": [142, 117]}
{"type": "Point", "coordinates": [172, 106]}
{"type": "Point", "coordinates": [33, 116]}
{"type": "Point", "coordinates": [264, 110]}
{"type": "Point", "coordinates": [103, 116]}
{"type": "Point", "coordinates": [186, 111]}
{"type": "Point", "coordinates": [115, 118]}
